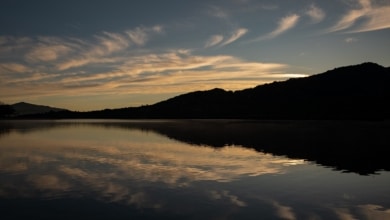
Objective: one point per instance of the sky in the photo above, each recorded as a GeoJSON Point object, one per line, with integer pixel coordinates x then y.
{"type": "Point", "coordinates": [95, 54]}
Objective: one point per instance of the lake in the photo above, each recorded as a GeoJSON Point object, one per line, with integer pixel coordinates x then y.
{"type": "Point", "coordinates": [194, 169]}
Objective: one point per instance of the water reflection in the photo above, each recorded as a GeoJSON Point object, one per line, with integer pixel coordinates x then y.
{"type": "Point", "coordinates": [104, 159]}
{"type": "Point", "coordinates": [135, 166]}
{"type": "Point", "coordinates": [350, 146]}
{"type": "Point", "coordinates": [135, 155]}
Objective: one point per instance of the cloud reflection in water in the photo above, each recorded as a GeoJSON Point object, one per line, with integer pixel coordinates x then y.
{"type": "Point", "coordinates": [118, 163]}
{"type": "Point", "coordinates": [133, 167]}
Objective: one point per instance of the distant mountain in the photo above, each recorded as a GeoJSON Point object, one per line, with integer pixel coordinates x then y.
{"type": "Point", "coordinates": [352, 92]}
{"type": "Point", "coordinates": [24, 108]}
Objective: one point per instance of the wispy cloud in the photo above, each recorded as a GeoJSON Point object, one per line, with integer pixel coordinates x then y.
{"type": "Point", "coordinates": [173, 71]}
{"type": "Point", "coordinates": [141, 35]}
{"type": "Point", "coordinates": [285, 24]}
{"type": "Point", "coordinates": [284, 212]}
{"type": "Point", "coordinates": [218, 12]}
{"type": "Point", "coordinates": [373, 211]}
{"type": "Point", "coordinates": [235, 36]}
{"type": "Point", "coordinates": [47, 52]}
{"type": "Point", "coordinates": [315, 13]}
{"type": "Point", "coordinates": [344, 214]}
{"type": "Point", "coordinates": [110, 43]}
{"type": "Point", "coordinates": [217, 39]}
{"type": "Point", "coordinates": [227, 195]}
{"type": "Point", "coordinates": [107, 64]}
{"type": "Point", "coordinates": [12, 68]}
{"type": "Point", "coordinates": [106, 44]}
{"type": "Point", "coordinates": [10, 46]}
{"type": "Point", "coordinates": [371, 17]}
{"type": "Point", "coordinates": [351, 40]}
{"type": "Point", "coordinates": [213, 40]}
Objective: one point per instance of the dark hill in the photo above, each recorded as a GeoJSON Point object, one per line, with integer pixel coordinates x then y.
{"type": "Point", "coordinates": [353, 92]}
{"type": "Point", "coordinates": [359, 91]}
{"type": "Point", "coordinates": [24, 108]}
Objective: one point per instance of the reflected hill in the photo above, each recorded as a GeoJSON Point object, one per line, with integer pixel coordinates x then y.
{"type": "Point", "coordinates": [350, 146]}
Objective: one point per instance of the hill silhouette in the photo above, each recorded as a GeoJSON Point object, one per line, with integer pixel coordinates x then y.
{"type": "Point", "coordinates": [351, 92]}
{"type": "Point", "coordinates": [24, 108]}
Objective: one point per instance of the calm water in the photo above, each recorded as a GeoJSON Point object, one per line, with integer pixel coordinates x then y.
{"type": "Point", "coordinates": [191, 170]}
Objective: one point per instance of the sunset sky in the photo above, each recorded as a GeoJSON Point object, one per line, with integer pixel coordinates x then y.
{"type": "Point", "coordinates": [85, 55]}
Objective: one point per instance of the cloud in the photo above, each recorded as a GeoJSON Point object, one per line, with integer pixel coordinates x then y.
{"type": "Point", "coordinates": [218, 12]}
{"type": "Point", "coordinates": [88, 53]}
{"type": "Point", "coordinates": [47, 53]}
{"type": "Point", "coordinates": [110, 43]}
{"type": "Point", "coordinates": [351, 40]}
{"type": "Point", "coordinates": [49, 182]}
{"type": "Point", "coordinates": [12, 46]}
{"type": "Point", "coordinates": [12, 68]}
{"type": "Point", "coordinates": [315, 13]}
{"type": "Point", "coordinates": [83, 61]}
{"type": "Point", "coordinates": [284, 212]}
{"type": "Point", "coordinates": [217, 39]}
{"type": "Point", "coordinates": [107, 44]}
{"type": "Point", "coordinates": [344, 214]}
{"type": "Point", "coordinates": [106, 65]}
{"type": "Point", "coordinates": [226, 194]}
{"type": "Point", "coordinates": [173, 71]}
{"type": "Point", "coordinates": [372, 211]}
{"type": "Point", "coordinates": [235, 36]}
{"type": "Point", "coordinates": [140, 35]}
{"type": "Point", "coordinates": [284, 25]}
{"type": "Point", "coordinates": [367, 17]}
{"type": "Point", "coordinates": [187, 69]}
{"type": "Point", "coordinates": [44, 49]}
{"type": "Point", "coordinates": [213, 40]}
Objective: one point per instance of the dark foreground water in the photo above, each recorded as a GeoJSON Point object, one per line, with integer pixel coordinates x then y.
{"type": "Point", "coordinates": [194, 170]}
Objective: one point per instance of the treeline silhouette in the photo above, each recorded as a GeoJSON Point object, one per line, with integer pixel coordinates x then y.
{"type": "Point", "coordinates": [353, 92]}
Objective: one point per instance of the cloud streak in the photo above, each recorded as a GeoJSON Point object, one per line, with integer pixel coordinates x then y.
{"type": "Point", "coordinates": [47, 53]}
{"type": "Point", "coordinates": [214, 40]}
{"type": "Point", "coordinates": [141, 35]}
{"type": "Point", "coordinates": [367, 17]}
{"type": "Point", "coordinates": [174, 71]}
{"type": "Point", "coordinates": [284, 24]}
{"type": "Point", "coordinates": [315, 13]}
{"type": "Point", "coordinates": [108, 44]}
{"type": "Point", "coordinates": [217, 39]}
{"type": "Point", "coordinates": [351, 40]}
{"type": "Point", "coordinates": [235, 36]}
{"type": "Point", "coordinates": [118, 63]}
{"type": "Point", "coordinates": [284, 212]}
{"type": "Point", "coordinates": [12, 68]}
